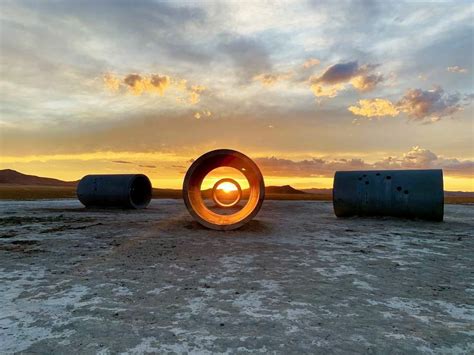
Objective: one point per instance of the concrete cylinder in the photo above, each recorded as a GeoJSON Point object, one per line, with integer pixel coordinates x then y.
{"type": "Point", "coordinates": [204, 165]}
{"type": "Point", "coordinates": [398, 193]}
{"type": "Point", "coordinates": [122, 191]}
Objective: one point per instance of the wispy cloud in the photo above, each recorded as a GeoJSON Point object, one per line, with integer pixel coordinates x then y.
{"type": "Point", "coordinates": [311, 62]}
{"type": "Point", "coordinates": [270, 79]}
{"type": "Point", "coordinates": [456, 69]}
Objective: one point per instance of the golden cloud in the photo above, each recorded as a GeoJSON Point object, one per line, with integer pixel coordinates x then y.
{"type": "Point", "coordinates": [111, 82]}
{"type": "Point", "coordinates": [269, 79]}
{"type": "Point", "coordinates": [374, 108]}
{"type": "Point", "coordinates": [202, 114]}
{"type": "Point", "coordinates": [326, 90]}
{"type": "Point", "coordinates": [137, 84]}
{"type": "Point", "coordinates": [366, 83]}
{"type": "Point", "coordinates": [155, 83]}
{"type": "Point", "coordinates": [195, 94]}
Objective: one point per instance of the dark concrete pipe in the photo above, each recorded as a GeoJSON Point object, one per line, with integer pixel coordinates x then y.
{"type": "Point", "coordinates": [399, 193]}
{"type": "Point", "coordinates": [124, 191]}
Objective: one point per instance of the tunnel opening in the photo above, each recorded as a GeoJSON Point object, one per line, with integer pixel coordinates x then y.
{"type": "Point", "coordinates": [140, 191]}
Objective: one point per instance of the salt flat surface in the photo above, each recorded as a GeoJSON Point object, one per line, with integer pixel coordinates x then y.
{"type": "Point", "coordinates": [295, 280]}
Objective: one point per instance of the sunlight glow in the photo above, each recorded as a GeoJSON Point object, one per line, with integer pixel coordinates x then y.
{"type": "Point", "coordinates": [227, 187]}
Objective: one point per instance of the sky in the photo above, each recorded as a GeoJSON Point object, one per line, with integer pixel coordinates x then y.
{"type": "Point", "coordinates": [304, 88]}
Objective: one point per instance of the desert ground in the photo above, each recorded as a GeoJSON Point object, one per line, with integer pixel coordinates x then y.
{"type": "Point", "coordinates": [294, 280]}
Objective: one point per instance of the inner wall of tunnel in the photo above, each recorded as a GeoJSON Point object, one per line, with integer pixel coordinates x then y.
{"type": "Point", "coordinates": [215, 176]}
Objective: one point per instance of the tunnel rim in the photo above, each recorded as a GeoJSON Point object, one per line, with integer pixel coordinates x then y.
{"type": "Point", "coordinates": [148, 194]}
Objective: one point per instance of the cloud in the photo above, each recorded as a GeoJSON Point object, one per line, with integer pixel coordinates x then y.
{"type": "Point", "coordinates": [336, 77]}
{"type": "Point", "coordinates": [202, 114]}
{"type": "Point", "coordinates": [338, 73]}
{"type": "Point", "coordinates": [456, 69]}
{"type": "Point", "coordinates": [155, 83]}
{"type": "Point", "coordinates": [425, 106]}
{"type": "Point", "coordinates": [429, 105]}
{"type": "Point", "coordinates": [311, 62]}
{"type": "Point", "coordinates": [195, 94]}
{"type": "Point", "coordinates": [374, 108]}
{"type": "Point", "coordinates": [270, 79]}
{"type": "Point", "coordinates": [415, 158]}
{"type": "Point", "coordinates": [137, 84]}
{"type": "Point", "coordinates": [111, 82]}
{"type": "Point", "coordinates": [365, 83]}
{"type": "Point", "coordinates": [419, 158]}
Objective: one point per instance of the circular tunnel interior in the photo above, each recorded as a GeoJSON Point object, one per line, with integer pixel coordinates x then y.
{"type": "Point", "coordinates": [140, 191]}
{"type": "Point", "coordinates": [226, 193]}
{"type": "Point", "coordinates": [231, 201]}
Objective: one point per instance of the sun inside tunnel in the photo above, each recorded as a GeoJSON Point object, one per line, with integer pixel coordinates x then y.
{"type": "Point", "coordinates": [227, 187]}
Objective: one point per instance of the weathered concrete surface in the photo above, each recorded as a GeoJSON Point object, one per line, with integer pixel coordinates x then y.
{"type": "Point", "coordinates": [295, 280]}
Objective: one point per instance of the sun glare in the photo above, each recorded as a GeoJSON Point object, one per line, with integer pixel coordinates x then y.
{"type": "Point", "coordinates": [227, 186]}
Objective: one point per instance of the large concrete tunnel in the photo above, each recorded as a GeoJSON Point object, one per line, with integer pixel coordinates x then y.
{"type": "Point", "coordinates": [123, 191]}
{"type": "Point", "coordinates": [194, 178]}
{"type": "Point", "coordinates": [399, 193]}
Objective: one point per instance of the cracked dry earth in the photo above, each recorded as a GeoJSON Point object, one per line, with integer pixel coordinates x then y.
{"type": "Point", "coordinates": [295, 280]}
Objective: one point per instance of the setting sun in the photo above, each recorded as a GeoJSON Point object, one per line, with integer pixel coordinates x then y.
{"type": "Point", "coordinates": [227, 187]}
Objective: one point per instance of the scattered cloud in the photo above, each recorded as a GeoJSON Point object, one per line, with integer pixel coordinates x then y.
{"type": "Point", "coordinates": [311, 62]}
{"type": "Point", "coordinates": [415, 158]}
{"type": "Point", "coordinates": [138, 84]}
{"type": "Point", "coordinates": [456, 69]}
{"type": "Point", "coordinates": [336, 77]}
{"type": "Point", "coordinates": [202, 114]}
{"type": "Point", "coordinates": [426, 106]}
{"type": "Point", "coordinates": [338, 73]}
{"type": "Point", "coordinates": [429, 105]}
{"type": "Point", "coordinates": [129, 162]}
{"type": "Point", "coordinates": [270, 79]}
{"type": "Point", "coordinates": [178, 166]}
{"type": "Point", "coordinates": [374, 108]}
{"type": "Point", "coordinates": [365, 83]}
{"type": "Point", "coordinates": [195, 94]}
{"type": "Point", "coordinates": [111, 82]}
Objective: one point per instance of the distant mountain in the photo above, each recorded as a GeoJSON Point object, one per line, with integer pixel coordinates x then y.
{"type": "Point", "coordinates": [285, 189]}
{"type": "Point", "coordinates": [12, 177]}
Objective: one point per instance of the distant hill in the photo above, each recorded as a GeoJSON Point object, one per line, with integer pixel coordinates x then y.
{"type": "Point", "coordinates": [12, 177]}
{"type": "Point", "coordinates": [285, 189]}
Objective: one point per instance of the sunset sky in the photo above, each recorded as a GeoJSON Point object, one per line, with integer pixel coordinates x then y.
{"type": "Point", "coordinates": [303, 87]}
